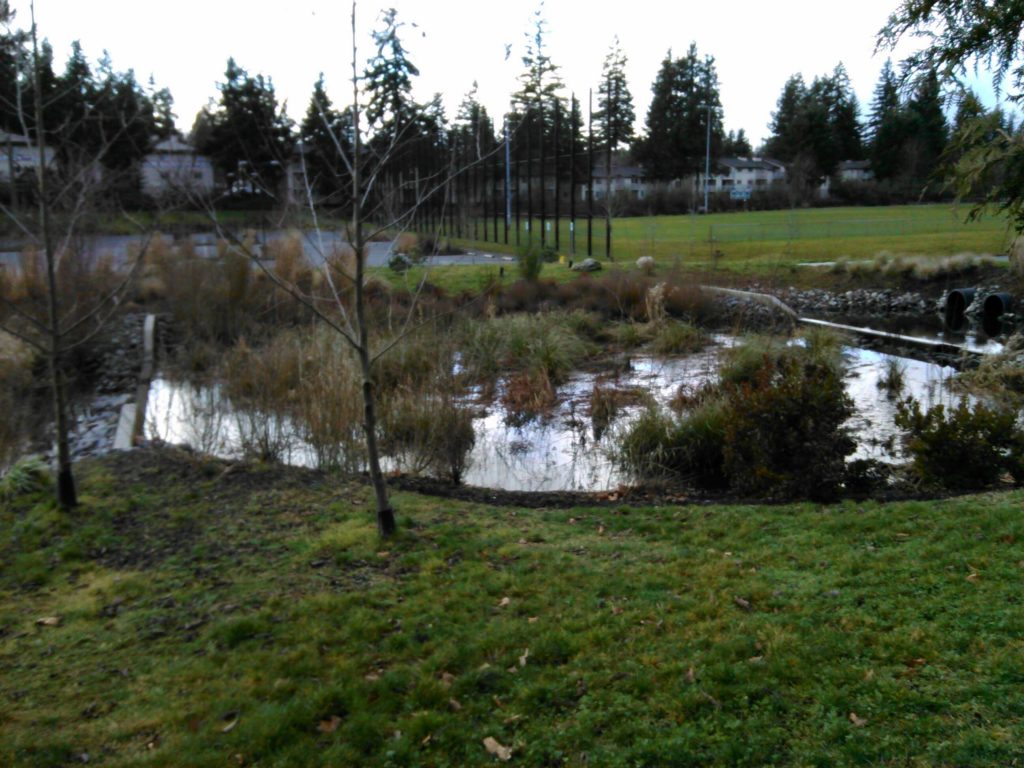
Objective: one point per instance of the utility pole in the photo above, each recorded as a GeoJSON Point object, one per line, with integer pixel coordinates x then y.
{"type": "Point", "coordinates": [707, 159]}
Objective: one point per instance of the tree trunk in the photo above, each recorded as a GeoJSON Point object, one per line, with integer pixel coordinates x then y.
{"type": "Point", "coordinates": [66, 496]}
{"type": "Point", "coordinates": [385, 513]}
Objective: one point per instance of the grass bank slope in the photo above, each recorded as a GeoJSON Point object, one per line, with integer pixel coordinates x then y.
{"type": "Point", "coordinates": [197, 614]}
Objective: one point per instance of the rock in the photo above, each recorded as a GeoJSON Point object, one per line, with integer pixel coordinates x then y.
{"type": "Point", "coordinates": [587, 265]}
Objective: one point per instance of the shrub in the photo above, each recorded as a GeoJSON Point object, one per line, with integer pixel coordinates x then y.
{"type": "Point", "coordinates": [531, 261]}
{"type": "Point", "coordinates": [773, 426]}
{"type": "Point", "coordinates": [784, 432]}
{"type": "Point", "coordinates": [965, 448]}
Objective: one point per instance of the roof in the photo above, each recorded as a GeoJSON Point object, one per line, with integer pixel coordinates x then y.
{"type": "Point", "coordinates": [173, 146]}
{"type": "Point", "coordinates": [750, 164]}
{"type": "Point", "coordinates": [14, 138]}
{"type": "Point", "coordinates": [620, 171]}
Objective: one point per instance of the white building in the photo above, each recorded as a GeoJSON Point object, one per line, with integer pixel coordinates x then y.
{"type": "Point", "coordinates": [18, 155]}
{"type": "Point", "coordinates": [174, 168]}
{"type": "Point", "coordinates": [750, 173]}
{"type": "Point", "coordinates": [623, 179]}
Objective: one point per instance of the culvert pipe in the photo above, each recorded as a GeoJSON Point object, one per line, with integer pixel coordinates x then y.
{"type": "Point", "coordinates": [957, 302]}
{"type": "Point", "coordinates": [996, 305]}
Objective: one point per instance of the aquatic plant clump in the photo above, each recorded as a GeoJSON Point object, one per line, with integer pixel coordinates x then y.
{"type": "Point", "coordinates": [773, 425]}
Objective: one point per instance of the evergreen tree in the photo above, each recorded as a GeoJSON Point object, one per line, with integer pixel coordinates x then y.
{"type": "Point", "coordinates": [326, 136]}
{"type": "Point", "coordinates": [736, 144]}
{"type": "Point", "coordinates": [844, 115]}
{"type": "Point", "coordinates": [163, 112]}
{"type": "Point", "coordinates": [249, 136]}
{"type": "Point", "coordinates": [676, 138]}
{"type": "Point", "coordinates": [785, 142]}
{"type": "Point", "coordinates": [887, 126]}
{"type": "Point", "coordinates": [124, 117]}
{"type": "Point", "coordinates": [615, 115]}
{"type": "Point", "coordinates": [474, 130]}
{"type": "Point", "coordinates": [388, 80]}
{"type": "Point", "coordinates": [816, 127]}
{"type": "Point", "coordinates": [927, 132]}
{"type": "Point", "coordinates": [540, 85]}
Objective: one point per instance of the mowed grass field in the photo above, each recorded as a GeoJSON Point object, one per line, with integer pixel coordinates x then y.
{"type": "Point", "coordinates": [765, 240]}
{"type": "Point", "coordinates": [195, 614]}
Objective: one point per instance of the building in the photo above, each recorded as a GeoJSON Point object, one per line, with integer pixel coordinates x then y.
{"type": "Point", "coordinates": [628, 180]}
{"type": "Point", "coordinates": [174, 168]}
{"type": "Point", "coordinates": [751, 173]}
{"type": "Point", "coordinates": [18, 156]}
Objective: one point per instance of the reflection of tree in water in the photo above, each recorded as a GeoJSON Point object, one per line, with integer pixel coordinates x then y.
{"type": "Point", "coordinates": [556, 451]}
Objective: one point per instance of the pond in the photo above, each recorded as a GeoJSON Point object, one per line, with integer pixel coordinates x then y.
{"type": "Point", "coordinates": [561, 450]}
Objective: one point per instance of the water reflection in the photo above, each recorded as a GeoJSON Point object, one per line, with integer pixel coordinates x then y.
{"type": "Point", "coordinates": [560, 450]}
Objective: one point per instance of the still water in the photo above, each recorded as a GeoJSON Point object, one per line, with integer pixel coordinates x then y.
{"type": "Point", "coordinates": [559, 451]}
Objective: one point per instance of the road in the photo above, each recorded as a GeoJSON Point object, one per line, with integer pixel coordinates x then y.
{"type": "Point", "coordinates": [314, 245]}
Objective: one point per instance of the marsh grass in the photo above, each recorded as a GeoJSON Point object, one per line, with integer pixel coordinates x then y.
{"type": "Point", "coordinates": [675, 338]}
{"type": "Point", "coordinates": [894, 377]}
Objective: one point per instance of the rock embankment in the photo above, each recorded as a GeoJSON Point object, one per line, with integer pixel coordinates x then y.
{"type": "Point", "coordinates": [96, 417]}
{"type": "Point", "coordinates": [861, 301]}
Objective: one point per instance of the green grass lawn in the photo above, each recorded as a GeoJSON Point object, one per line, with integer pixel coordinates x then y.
{"type": "Point", "coordinates": [762, 240]}
{"type": "Point", "coordinates": [211, 618]}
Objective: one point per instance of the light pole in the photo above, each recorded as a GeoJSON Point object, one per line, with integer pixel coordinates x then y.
{"type": "Point", "coordinates": [707, 159]}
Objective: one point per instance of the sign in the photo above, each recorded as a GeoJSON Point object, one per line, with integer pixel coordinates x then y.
{"type": "Point", "coordinates": [739, 193]}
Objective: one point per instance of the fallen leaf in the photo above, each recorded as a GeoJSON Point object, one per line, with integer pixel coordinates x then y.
{"type": "Point", "coordinates": [522, 541]}
{"type": "Point", "coordinates": [505, 601]}
{"type": "Point", "coordinates": [427, 739]}
{"type": "Point", "coordinates": [383, 555]}
{"type": "Point", "coordinates": [616, 610]}
{"type": "Point", "coordinates": [231, 725]}
{"type": "Point", "coordinates": [524, 657]}
{"type": "Point", "coordinates": [494, 748]}
{"type": "Point", "coordinates": [914, 663]}
{"type": "Point", "coordinates": [512, 670]}
{"type": "Point", "coordinates": [533, 620]}
{"type": "Point", "coordinates": [371, 677]}
{"type": "Point", "coordinates": [447, 678]}
{"type": "Point", "coordinates": [600, 530]}
{"type": "Point", "coordinates": [691, 675]}
{"type": "Point", "coordinates": [869, 675]}
{"type": "Point", "coordinates": [48, 621]}
{"type": "Point", "coordinates": [330, 725]}
{"type": "Point", "coordinates": [454, 705]}
{"type": "Point", "coordinates": [497, 702]}
{"type": "Point", "coordinates": [755, 659]}
{"type": "Point", "coordinates": [741, 603]}
{"type": "Point", "coordinates": [858, 722]}
{"type": "Point", "coordinates": [973, 577]}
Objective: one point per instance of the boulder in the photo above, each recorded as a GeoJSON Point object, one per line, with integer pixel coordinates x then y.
{"type": "Point", "coordinates": [587, 265]}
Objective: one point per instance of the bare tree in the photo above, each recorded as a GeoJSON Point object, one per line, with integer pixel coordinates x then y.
{"type": "Point", "coordinates": [384, 198]}
{"type": "Point", "coordinates": [69, 316]}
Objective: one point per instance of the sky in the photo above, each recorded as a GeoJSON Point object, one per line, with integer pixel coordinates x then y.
{"type": "Point", "coordinates": [184, 45]}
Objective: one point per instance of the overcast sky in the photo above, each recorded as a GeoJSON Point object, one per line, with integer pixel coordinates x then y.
{"type": "Point", "coordinates": [757, 45]}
